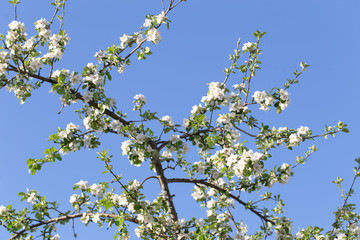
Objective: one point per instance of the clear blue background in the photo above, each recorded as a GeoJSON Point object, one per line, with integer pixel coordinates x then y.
{"type": "Point", "coordinates": [193, 52]}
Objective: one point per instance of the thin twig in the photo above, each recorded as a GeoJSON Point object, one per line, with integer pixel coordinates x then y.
{"type": "Point", "coordinates": [224, 191]}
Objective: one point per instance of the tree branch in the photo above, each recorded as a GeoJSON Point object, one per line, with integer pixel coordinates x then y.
{"type": "Point", "coordinates": [204, 182]}
{"type": "Point", "coordinates": [67, 217]}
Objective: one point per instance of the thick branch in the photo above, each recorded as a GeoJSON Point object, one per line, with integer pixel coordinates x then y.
{"type": "Point", "coordinates": [165, 187]}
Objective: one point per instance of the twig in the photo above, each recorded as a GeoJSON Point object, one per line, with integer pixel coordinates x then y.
{"type": "Point", "coordinates": [204, 182]}
{"type": "Point", "coordinates": [68, 217]}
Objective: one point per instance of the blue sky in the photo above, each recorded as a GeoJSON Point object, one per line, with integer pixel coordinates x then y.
{"type": "Point", "coordinates": [193, 52]}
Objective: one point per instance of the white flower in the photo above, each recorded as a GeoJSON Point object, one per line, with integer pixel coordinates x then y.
{"type": "Point", "coordinates": [96, 79]}
{"type": "Point", "coordinates": [122, 201]}
{"type": "Point", "coordinates": [186, 123]}
{"type": "Point", "coordinates": [147, 23]}
{"type": "Point", "coordinates": [45, 33]}
{"type": "Point", "coordinates": [200, 167]}
{"type": "Point", "coordinates": [200, 222]}
{"type": "Point", "coordinates": [42, 23]}
{"type": "Point", "coordinates": [222, 119]}
{"type": "Point", "coordinates": [196, 108]}
{"type": "Point", "coordinates": [286, 167]}
{"type": "Point", "coordinates": [211, 203]}
{"type": "Point", "coordinates": [302, 131]}
{"type": "Point", "coordinates": [96, 190]}
{"type": "Point", "coordinates": [259, 96]}
{"type": "Point", "coordinates": [83, 185]}
{"type": "Point", "coordinates": [284, 95]}
{"type": "Point", "coordinates": [56, 237]}
{"type": "Point", "coordinates": [341, 236]}
{"type": "Point", "coordinates": [147, 218]}
{"type": "Point", "coordinates": [122, 68]}
{"type": "Point", "coordinates": [72, 127]}
{"type": "Point", "coordinates": [139, 39]}
{"type": "Point", "coordinates": [85, 218]}
{"type": "Point", "coordinates": [125, 147]}
{"type": "Point", "coordinates": [135, 185]}
{"type": "Point", "coordinates": [269, 100]}
{"type": "Point", "coordinates": [100, 55]}
{"type": "Point", "coordinates": [294, 139]}
{"type": "Point", "coordinates": [299, 234]}
{"type": "Point", "coordinates": [140, 97]}
{"type": "Point", "coordinates": [166, 154]}
{"type": "Point", "coordinates": [153, 35]}
{"type": "Point", "coordinates": [124, 40]}
{"type": "Point", "coordinates": [74, 78]}
{"type": "Point", "coordinates": [161, 17]}
{"type": "Point", "coordinates": [32, 198]}
{"type": "Point", "coordinates": [138, 232]}
{"type": "Point", "coordinates": [74, 198]}
{"type": "Point", "coordinates": [168, 120]}
{"type": "Point", "coordinates": [15, 25]}
{"type": "Point", "coordinates": [140, 138]}
{"type": "Point", "coordinates": [185, 148]}
{"type": "Point", "coordinates": [354, 227]}
{"type": "Point", "coordinates": [3, 209]}
{"type": "Point", "coordinates": [215, 93]}
{"type": "Point", "coordinates": [29, 43]}
{"type": "Point", "coordinates": [319, 237]}
{"type": "Point", "coordinates": [96, 217]}
{"type": "Point", "coordinates": [3, 68]}
{"type": "Point", "coordinates": [247, 46]}
{"type": "Point", "coordinates": [88, 96]}
{"type": "Point", "coordinates": [174, 139]}
{"type": "Point", "coordinates": [35, 64]}
{"type": "Point", "coordinates": [4, 56]}
{"type": "Point", "coordinates": [198, 194]}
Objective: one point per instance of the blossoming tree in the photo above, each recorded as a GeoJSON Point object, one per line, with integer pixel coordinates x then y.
{"type": "Point", "coordinates": [226, 166]}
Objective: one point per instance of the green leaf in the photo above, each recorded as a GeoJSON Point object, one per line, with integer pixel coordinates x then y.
{"type": "Point", "coordinates": [345, 130]}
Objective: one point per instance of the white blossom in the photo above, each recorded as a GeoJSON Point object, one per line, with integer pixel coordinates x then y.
{"type": "Point", "coordinates": [3, 68]}
{"type": "Point", "coordinates": [88, 96]}
{"type": "Point", "coordinates": [294, 139]}
{"type": "Point", "coordinates": [140, 138]}
{"type": "Point", "coordinates": [96, 190]}
{"type": "Point", "coordinates": [140, 97]}
{"type": "Point", "coordinates": [55, 237]}
{"type": "Point", "coordinates": [247, 46]}
{"type": "Point", "coordinates": [124, 40]}
{"type": "Point", "coordinates": [125, 147]}
{"type": "Point", "coordinates": [139, 39]}
{"type": "Point", "coordinates": [15, 25]}
{"type": "Point", "coordinates": [168, 120]}
{"type": "Point", "coordinates": [121, 68]}
{"type": "Point", "coordinates": [74, 198]}
{"type": "Point", "coordinates": [100, 55]}
{"type": "Point", "coordinates": [85, 218]}
{"type": "Point", "coordinates": [147, 23]}
{"type": "Point", "coordinates": [96, 217]}
{"type": "Point", "coordinates": [153, 35]}
{"type": "Point", "coordinates": [174, 139]}
{"type": "Point", "coordinates": [161, 17]}
{"type": "Point", "coordinates": [83, 185]}
{"type": "Point", "coordinates": [3, 210]}
{"type": "Point", "coordinates": [196, 109]}
{"type": "Point", "coordinates": [302, 131]}
{"type": "Point", "coordinates": [32, 198]}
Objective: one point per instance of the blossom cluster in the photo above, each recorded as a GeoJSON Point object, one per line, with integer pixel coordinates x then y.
{"type": "Point", "coordinates": [263, 99]}
{"type": "Point", "coordinates": [299, 136]}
